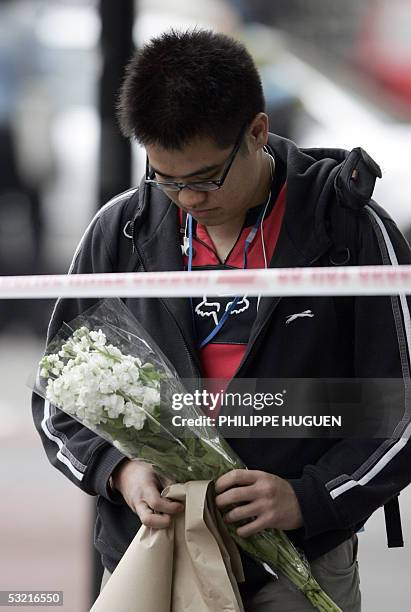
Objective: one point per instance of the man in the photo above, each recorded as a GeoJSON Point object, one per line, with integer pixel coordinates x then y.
{"type": "Point", "coordinates": [220, 191]}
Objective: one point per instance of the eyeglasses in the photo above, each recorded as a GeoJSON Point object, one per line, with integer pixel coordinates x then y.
{"type": "Point", "coordinates": [211, 185]}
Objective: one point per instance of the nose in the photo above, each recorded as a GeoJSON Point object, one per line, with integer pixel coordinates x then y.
{"type": "Point", "coordinates": [192, 199]}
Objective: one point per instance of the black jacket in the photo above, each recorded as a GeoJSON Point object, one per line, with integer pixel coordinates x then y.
{"type": "Point", "coordinates": [339, 483]}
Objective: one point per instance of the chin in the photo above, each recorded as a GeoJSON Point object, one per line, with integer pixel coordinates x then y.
{"type": "Point", "coordinates": [212, 222]}
{"type": "Point", "coordinates": [211, 218]}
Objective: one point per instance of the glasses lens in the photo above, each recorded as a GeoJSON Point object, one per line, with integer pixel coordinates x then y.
{"type": "Point", "coordinates": [207, 186]}
{"type": "Point", "coordinates": [167, 186]}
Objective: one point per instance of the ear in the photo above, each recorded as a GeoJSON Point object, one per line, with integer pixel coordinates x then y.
{"type": "Point", "coordinates": [258, 131]}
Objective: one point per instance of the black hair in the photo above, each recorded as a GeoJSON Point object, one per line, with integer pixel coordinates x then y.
{"type": "Point", "coordinates": [185, 85]}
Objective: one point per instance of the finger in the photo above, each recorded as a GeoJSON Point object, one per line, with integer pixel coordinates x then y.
{"type": "Point", "coordinates": [235, 478]}
{"type": "Point", "coordinates": [162, 504]}
{"type": "Point", "coordinates": [246, 511]}
{"type": "Point", "coordinates": [150, 519]}
{"type": "Point", "coordinates": [253, 527]}
{"type": "Point", "coordinates": [235, 496]}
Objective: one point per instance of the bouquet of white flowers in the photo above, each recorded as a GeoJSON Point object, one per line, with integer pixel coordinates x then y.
{"type": "Point", "coordinates": [105, 371]}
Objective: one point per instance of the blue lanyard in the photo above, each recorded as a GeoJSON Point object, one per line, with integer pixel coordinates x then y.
{"type": "Point", "coordinates": [233, 304]}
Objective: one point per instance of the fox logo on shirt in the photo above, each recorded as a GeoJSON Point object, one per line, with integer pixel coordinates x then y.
{"type": "Point", "coordinates": [212, 309]}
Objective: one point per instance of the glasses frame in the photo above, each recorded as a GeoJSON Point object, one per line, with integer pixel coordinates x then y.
{"type": "Point", "coordinates": [208, 185]}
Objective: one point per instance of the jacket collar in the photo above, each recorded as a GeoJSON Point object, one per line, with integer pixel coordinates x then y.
{"type": "Point", "coordinates": [309, 187]}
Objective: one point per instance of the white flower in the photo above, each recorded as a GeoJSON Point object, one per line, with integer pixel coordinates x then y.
{"type": "Point", "coordinates": [92, 378]}
{"type": "Point", "coordinates": [114, 405]}
{"type": "Point", "coordinates": [98, 338]}
{"type": "Point", "coordinates": [151, 399]}
{"type": "Point", "coordinates": [113, 351]}
{"type": "Point", "coordinates": [109, 384]}
{"type": "Point", "coordinates": [133, 416]}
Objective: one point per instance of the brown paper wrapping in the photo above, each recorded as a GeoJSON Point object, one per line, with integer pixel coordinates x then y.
{"type": "Point", "coordinates": [193, 566]}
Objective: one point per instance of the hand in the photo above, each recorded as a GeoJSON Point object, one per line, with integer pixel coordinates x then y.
{"type": "Point", "coordinates": [141, 486]}
{"type": "Point", "coordinates": [268, 500]}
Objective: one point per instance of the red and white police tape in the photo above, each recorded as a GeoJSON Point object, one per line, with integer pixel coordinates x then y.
{"type": "Point", "coordinates": [350, 280]}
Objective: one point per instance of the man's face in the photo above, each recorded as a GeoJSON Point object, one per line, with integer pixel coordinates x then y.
{"type": "Point", "coordinates": [202, 160]}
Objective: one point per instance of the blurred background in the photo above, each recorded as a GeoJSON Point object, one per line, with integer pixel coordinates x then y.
{"type": "Point", "coordinates": [336, 74]}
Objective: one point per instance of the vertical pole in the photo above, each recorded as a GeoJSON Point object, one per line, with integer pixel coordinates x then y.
{"type": "Point", "coordinates": [117, 20]}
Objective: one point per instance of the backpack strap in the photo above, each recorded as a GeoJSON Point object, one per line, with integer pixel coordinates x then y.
{"type": "Point", "coordinates": [393, 523]}
{"type": "Point", "coordinates": [354, 185]}
{"type": "Point", "coordinates": [353, 188]}
{"type": "Point", "coordinates": [355, 180]}
{"type": "Point", "coordinates": [343, 230]}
